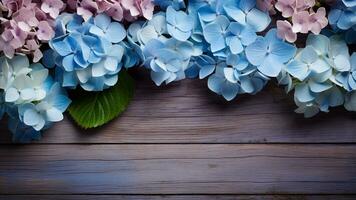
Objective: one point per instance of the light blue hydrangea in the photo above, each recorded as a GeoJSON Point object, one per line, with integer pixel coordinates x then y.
{"type": "Point", "coordinates": [49, 110]}
{"type": "Point", "coordinates": [179, 24]}
{"type": "Point", "coordinates": [167, 60]}
{"type": "Point", "coordinates": [348, 78]}
{"type": "Point", "coordinates": [242, 11]}
{"type": "Point", "coordinates": [270, 53]}
{"type": "Point", "coordinates": [350, 101]}
{"type": "Point", "coordinates": [206, 40]}
{"type": "Point", "coordinates": [316, 72]}
{"type": "Point", "coordinates": [167, 56]}
{"type": "Point", "coordinates": [223, 35]}
{"type": "Point", "coordinates": [89, 54]}
{"type": "Point", "coordinates": [241, 78]}
{"type": "Point", "coordinates": [26, 88]}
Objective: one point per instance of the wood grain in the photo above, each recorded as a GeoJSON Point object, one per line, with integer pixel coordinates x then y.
{"type": "Point", "coordinates": [187, 112]}
{"type": "Point", "coordinates": [178, 197]}
{"type": "Point", "coordinates": [178, 169]}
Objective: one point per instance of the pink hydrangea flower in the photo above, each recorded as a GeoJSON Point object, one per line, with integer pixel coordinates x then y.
{"type": "Point", "coordinates": [26, 24]}
{"type": "Point", "coordinates": [45, 32]}
{"type": "Point", "coordinates": [33, 48]}
{"type": "Point", "coordinates": [301, 18]}
{"type": "Point", "coordinates": [318, 21]}
{"type": "Point", "coordinates": [304, 4]}
{"type": "Point", "coordinates": [266, 6]}
{"type": "Point", "coordinates": [87, 9]}
{"type": "Point", "coordinates": [116, 12]}
{"type": "Point", "coordinates": [52, 7]}
{"type": "Point", "coordinates": [286, 7]}
{"type": "Point", "coordinates": [300, 22]}
{"type": "Point", "coordinates": [284, 31]}
{"type": "Point", "coordinates": [119, 10]}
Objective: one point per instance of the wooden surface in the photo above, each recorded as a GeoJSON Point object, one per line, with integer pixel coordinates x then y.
{"type": "Point", "coordinates": [183, 142]}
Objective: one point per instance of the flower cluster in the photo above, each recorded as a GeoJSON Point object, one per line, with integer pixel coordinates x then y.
{"type": "Point", "coordinates": [320, 73]}
{"type": "Point", "coordinates": [303, 18]}
{"type": "Point", "coordinates": [342, 18]}
{"type": "Point", "coordinates": [26, 24]}
{"type": "Point", "coordinates": [128, 10]}
{"type": "Point", "coordinates": [205, 39]}
{"type": "Point", "coordinates": [88, 53]}
{"type": "Point", "coordinates": [30, 97]}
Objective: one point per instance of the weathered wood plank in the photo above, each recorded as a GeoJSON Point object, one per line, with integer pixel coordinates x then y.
{"type": "Point", "coordinates": [178, 169]}
{"type": "Point", "coordinates": [178, 197]}
{"type": "Point", "coordinates": [186, 112]}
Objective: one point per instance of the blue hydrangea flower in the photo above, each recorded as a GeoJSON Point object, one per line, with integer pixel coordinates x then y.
{"type": "Point", "coordinates": [90, 53]}
{"type": "Point", "coordinates": [349, 3]}
{"type": "Point", "coordinates": [21, 81]}
{"type": "Point", "coordinates": [206, 41]}
{"type": "Point", "coordinates": [350, 36]}
{"type": "Point", "coordinates": [221, 34]}
{"type": "Point", "coordinates": [322, 102]}
{"type": "Point", "coordinates": [179, 24]}
{"type": "Point", "coordinates": [48, 110]}
{"type": "Point", "coordinates": [155, 28]}
{"type": "Point", "coordinates": [242, 11]}
{"type": "Point", "coordinates": [317, 70]}
{"type": "Point", "coordinates": [246, 13]}
{"type": "Point", "coordinates": [230, 81]}
{"type": "Point", "coordinates": [167, 60]}
{"type": "Point", "coordinates": [175, 4]}
{"type": "Point", "coordinates": [22, 133]}
{"type": "Point", "coordinates": [270, 53]}
{"type": "Point", "coordinates": [348, 79]}
{"type": "Point", "coordinates": [343, 15]}
{"type": "Point", "coordinates": [350, 101]}
{"type": "Point", "coordinates": [201, 66]}
{"type": "Point", "coordinates": [30, 98]}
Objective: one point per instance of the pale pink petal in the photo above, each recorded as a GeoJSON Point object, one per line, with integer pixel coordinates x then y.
{"type": "Point", "coordinates": [45, 31]}
{"type": "Point", "coordinates": [300, 22]}
{"type": "Point", "coordinates": [147, 9]}
{"type": "Point", "coordinates": [115, 12]}
{"type": "Point", "coordinates": [287, 7]}
{"type": "Point", "coordinates": [284, 31]}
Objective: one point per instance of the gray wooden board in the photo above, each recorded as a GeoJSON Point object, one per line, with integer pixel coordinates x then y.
{"type": "Point", "coordinates": [178, 197]}
{"type": "Point", "coordinates": [178, 169]}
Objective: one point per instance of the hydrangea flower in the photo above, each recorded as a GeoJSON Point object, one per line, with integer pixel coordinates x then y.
{"type": "Point", "coordinates": [21, 81]}
{"type": "Point", "coordinates": [317, 71]}
{"type": "Point", "coordinates": [240, 79]}
{"type": "Point", "coordinates": [167, 63]}
{"type": "Point", "coordinates": [300, 17]}
{"type": "Point", "coordinates": [221, 34]}
{"type": "Point", "coordinates": [348, 78]}
{"type": "Point", "coordinates": [163, 53]}
{"type": "Point", "coordinates": [176, 4]}
{"type": "Point", "coordinates": [26, 25]}
{"type": "Point", "coordinates": [343, 15]}
{"type": "Point", "coordinates": [179, 24]}
{"type": "Point", "coordinates": [269, 53]}
{"type": "Point", "coordinates": [48, 110]}
{"type": "Point", "coordinates": [350, 101]}
{"type": "Point", "coordinates": [87, 53]}
{"type": "Point", "coordinates": [30, 97]}
{"type": "Point", "coordinates": [242, 11]}
{"type": "Point", "coordinates": [128, 10]}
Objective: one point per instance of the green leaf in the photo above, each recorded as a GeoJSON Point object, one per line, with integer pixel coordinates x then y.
{"type": "Point", "coordinates": [94, 109]}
